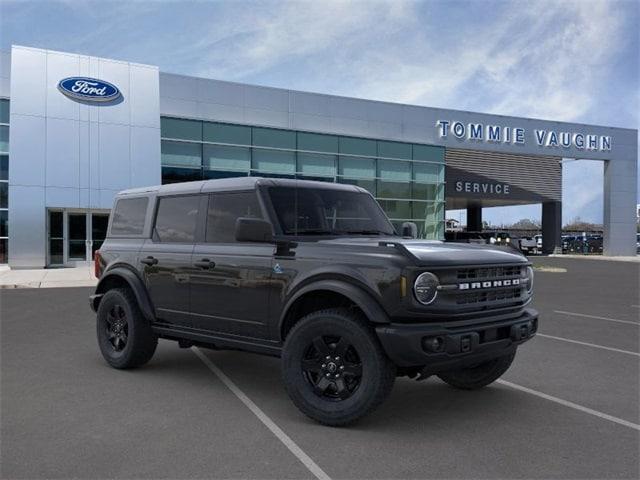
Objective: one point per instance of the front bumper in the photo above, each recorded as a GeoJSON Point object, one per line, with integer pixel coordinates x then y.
{"type": "Point", "coordinates": [460, 344]}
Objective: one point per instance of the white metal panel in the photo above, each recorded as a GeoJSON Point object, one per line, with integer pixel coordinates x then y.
{"type": "Point", "coordinates": [265, 98]}
{"type": "Point", "coordinates": [118, 74]}
{"type": "Point", "coordinates": [271, 118]}
{"type": "Point", "coordinates": [223, 93]}
{"type": "Point", "coordinates": [62, 197]}
{"type": "Point", "coordinates": [115, 160]}
{"type": "Point", "coordinates": [106, 198]}
{"type": "Point", "coordinates": [145, 157]}
{"type": "Point", "coordinates": [27, 244]}
{"type": "Point", "coordinates": [179, 87]}
{"type": "Point", "coordinates": [84, 164]}
{"type": "Point", "coordinates": [62, 166]}
{"type": "Point", "coordinates": [59, 66]}
{"type": "Point", "coordinates": [310, 103]}
{"type": "Point", "coordinates": [144, 97]}
{"type": "Point", "coordinates": [222, 113]}
{"type": "Point", "coordinates": [27, 142]}
{"type": "Point", "coordinates": [28, 81]}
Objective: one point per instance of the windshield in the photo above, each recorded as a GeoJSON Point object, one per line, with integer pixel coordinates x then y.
{"type": "Point", "coordinates": [319, 211]}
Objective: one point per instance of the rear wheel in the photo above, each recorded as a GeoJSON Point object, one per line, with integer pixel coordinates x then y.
{"type": "Point", "coordinates": [480, 375]}
{"type": "Point", "coordinates": [124, 335]}
{"type": "Point", "coordinates": [334, 368]}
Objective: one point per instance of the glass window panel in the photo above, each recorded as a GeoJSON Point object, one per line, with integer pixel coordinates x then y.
{"type": "Point", "coordinates": [225, 133]}
{"type": "Point", "coordinates": [271, 137]}
{"type": "Point", "coordinates": [4, 223]}
{"type": "Point", "coordinates": [394, 150]}
{"type": "Point", "coordinates": [317, 164]}
{"type": "Point", "coordinates": [396, 209]}
{"type": "Point", "coordinates": [176, 175]}
{"type": "Point", "coordinates": [212, 174]}
{"type": "Point", "coordinates": [393, 189]}
{"type": "Point", "coordinates": [4, 251]}
{"type": "Point", "coordinates": [4, 167]}
{"type": "Point", "coordinates": [77, 236]}
{"type": "Point", "coordinates": [129, 215]}
{"type": "Point", "coordinates": [369, 185]}
{"type": "Point", "coordinates": [4, 111]}
{"type": "Point", "coordinates": [357, 167]}
{"type": "Point", "coordinates": [317, 143]}
{"type": "Point", "coordinates": [4, 195]}
{"type": "Point", "coordinates": [270, 175]}
{"type": "Point", "coordinates": [428, 153]}
{"type": "Point", "coordinates": [181, 154]}
{"type": "Point", "coordinates": [393, 170]}
{"type": "Point", "coordinates": [176, 219]}
{"type": "Point", "coordinates": [178, 128]}
{"type": "Point", "coordinates": [358, 146]}
{"type": "Point", "coordinates": [274, 161]}
{"type": "Point", "coordinates": [425, 191]}
{"type": "Point", "coordinates": [227, 158]}
{"type": "Point", "coordinates": [224, 210]}
{"type": "Point", "coordinates": [56, 252]}
{"type": "Point", "coordinates": [4, 139]}
{"type": "Point", "coordinates": [427, 172]}
{"type": "Point", "coordinates": [55, 224]}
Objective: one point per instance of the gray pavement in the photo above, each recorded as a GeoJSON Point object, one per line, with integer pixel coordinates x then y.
{"type": "Point", "coordinates": [65, 414]}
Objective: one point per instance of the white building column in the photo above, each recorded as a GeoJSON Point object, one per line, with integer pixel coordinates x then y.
{"type": "Point", "coordinates": [620, 199]}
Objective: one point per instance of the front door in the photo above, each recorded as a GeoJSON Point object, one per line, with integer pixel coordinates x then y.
{"type": "Point", "coordinates": [165, 259]}
{"type": "Point", "coordinates": [73, 236]}
{"type": "Point", "coordinates": [230, 289]}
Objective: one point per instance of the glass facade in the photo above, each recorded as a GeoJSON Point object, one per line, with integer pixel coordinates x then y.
{"type": "Point", "coordinates": [407, 179]}
{"type": "Point", "coordinates": [4, 181]}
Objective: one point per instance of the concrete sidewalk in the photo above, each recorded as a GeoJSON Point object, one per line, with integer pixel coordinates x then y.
{"type": "Point", "coordinates": [48, 278]}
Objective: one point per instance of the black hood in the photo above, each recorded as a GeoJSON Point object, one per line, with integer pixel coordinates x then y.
{"type": "Point", "coordinates": [437, 253]}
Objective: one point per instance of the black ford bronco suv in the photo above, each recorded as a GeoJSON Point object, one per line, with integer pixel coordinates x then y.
{"type": "Point", "coordinates": [311, 272]}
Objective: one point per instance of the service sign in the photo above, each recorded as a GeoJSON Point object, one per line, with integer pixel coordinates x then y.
{"type": "Point", "coordinates": [88, 89]}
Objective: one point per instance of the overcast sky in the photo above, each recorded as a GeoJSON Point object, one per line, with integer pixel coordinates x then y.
{"type": "Point", "coordinates": [559, 60]}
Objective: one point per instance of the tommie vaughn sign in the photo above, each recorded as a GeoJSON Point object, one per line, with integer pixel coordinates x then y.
{"type": "Point", "coordinates": [478, 132]}
{"type": "Point", "coordinates": [88, 89]}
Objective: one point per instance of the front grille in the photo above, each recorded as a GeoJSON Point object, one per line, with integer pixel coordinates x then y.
{"type": "Point", "coordinates": [489, 272]}
{"type": "Point", "coordinates": [489, 297]}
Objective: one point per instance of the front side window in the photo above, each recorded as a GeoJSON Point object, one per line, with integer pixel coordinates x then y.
{"type": "Point", "coordinates": [176, 219]}
{"type": "Point", "coordinates": [316, 211]}
{"type": "Point", "coordinates": [128, 216]}
{"type": "Point", "coordinates": [224, 210]}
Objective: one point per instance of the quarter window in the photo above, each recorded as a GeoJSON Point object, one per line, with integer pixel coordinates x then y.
{"type": "Point", "coordinates": [176, 219]}
{"type": "Point", "coordinates": [224, 210]}
{"type": "Point", "coordinates": [128, 216]}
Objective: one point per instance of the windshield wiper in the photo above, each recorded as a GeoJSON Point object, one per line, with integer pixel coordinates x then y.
{"type": "Point", "coordinates": [365, 232]}
{"type": "Point", "coordinates": [312, 231]}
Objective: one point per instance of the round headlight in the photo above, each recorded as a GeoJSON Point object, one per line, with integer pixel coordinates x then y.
{"type": "Point", "coordinates": [492, 240]}
{"type": "Point", "coordinates": [425, 288]}
{"type": "Point", "coordinates": [529, 279]}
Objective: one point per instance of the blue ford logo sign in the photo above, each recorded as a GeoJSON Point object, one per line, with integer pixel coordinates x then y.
{"type": "Point", "coordinates": [89, 89]}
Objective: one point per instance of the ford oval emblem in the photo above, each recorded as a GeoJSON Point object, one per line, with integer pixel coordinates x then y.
{"type": "Point", "coordinates": [88, 89]}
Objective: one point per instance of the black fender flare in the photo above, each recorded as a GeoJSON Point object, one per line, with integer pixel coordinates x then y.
{"type": "Point", "coordinates": [364, 300]}
{"type": "Point", "coordinates": [135, 283]}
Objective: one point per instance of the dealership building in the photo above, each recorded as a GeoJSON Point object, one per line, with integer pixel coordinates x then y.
{"type": "Point", "coordinates": [75, 130]}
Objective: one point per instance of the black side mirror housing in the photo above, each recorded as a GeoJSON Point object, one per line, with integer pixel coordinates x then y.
{"type": "Point", "coordinates": [409, 229]}
{"type": "Point", "coordinates": [253, 230]}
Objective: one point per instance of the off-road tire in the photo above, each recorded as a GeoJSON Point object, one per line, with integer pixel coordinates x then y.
{"type": "Point", "coordinates": [377, 372]}
{"type": "Point", "coordinates": [141, 342]}
{"type": "Point", "coordinates": [480, 375]}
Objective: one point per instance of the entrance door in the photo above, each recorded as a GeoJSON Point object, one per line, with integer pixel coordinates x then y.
{"type": "Point", "coordinates": [99, 222]}
{"type": "Point", "coordinates": [56, 238]}
{"type": "Point", "coordinates": [77, 237]}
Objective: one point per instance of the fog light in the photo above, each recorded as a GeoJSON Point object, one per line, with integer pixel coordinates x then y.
{"type": "Point", "coordinates": [433, 344]}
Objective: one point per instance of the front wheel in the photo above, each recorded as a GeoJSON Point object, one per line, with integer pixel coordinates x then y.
{"type": "Point", "coordinates": [478, 376]}
{"type": "Point", "coordinates": [334, 368]}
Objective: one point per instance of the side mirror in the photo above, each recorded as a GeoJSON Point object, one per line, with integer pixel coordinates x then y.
{"type": "Point", "coordinates": [409, 229]}
{"type": "Point", "coordinates": [253, 230]}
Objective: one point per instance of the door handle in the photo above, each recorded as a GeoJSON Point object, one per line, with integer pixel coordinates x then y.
{"type": "Point", "coordinates": [149, 261]}
{"type": "Point", "coordinates": [205, 263]}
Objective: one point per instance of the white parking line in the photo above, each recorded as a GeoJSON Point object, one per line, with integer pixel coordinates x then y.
{"type": "Point", "coordinates": [596, 317]}
{"type": "Point", "coordinates": [270, 424]}
{"type": "Point", "coordinates": [575, 406]}
{"type": "Point", "coordinates": [588, 344]}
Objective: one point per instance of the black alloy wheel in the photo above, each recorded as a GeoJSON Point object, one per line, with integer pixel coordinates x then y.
{"type": "Point", "coordinates": [333, 367]}
{"type": "Point", "coordinates": [117, 327]}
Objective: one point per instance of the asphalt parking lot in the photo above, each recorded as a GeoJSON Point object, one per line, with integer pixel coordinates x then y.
{"type": "Point", "coordinates": [569, 406]}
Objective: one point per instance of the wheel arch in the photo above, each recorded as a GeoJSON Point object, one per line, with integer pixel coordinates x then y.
{"type": "Point", "coordinates": [324, 293]}
{"type": "Point", "coordinates": [119, 277]}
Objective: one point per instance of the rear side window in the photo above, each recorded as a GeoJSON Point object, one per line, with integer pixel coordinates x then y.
{"type": "Point", "coordinates": [224, 210]}
{"type": "Point", "coordinates": [128, 216]}
{"type": "Point", "coordinates": [176, 219]}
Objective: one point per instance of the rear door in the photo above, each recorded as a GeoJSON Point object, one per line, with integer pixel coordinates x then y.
{"type": "Point", "coordinates": [166, 257]}
{"type": "Point", "coordinates": [230, 289]}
